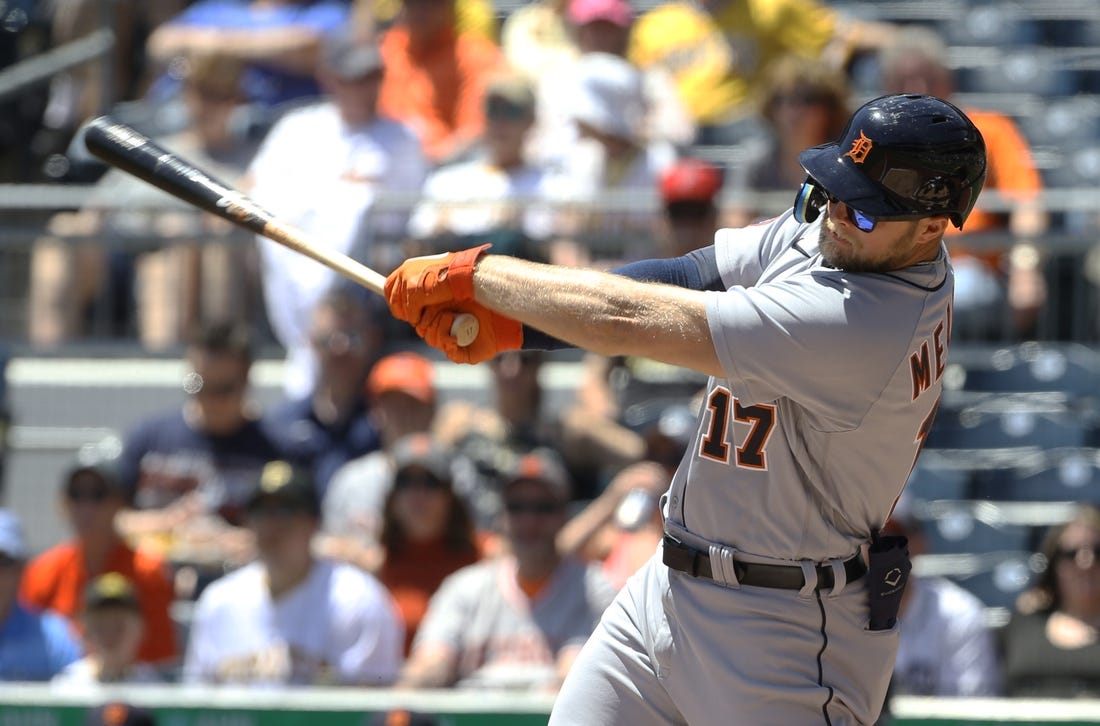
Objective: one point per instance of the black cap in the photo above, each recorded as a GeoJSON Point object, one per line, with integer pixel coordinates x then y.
{"type": "Point", "coordinates": [112, 588]}
{"type": "Point", "coordinates": [283, 483]}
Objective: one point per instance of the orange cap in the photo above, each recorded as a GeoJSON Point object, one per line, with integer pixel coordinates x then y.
{"type": "Point", "coordinates": [404, 372]}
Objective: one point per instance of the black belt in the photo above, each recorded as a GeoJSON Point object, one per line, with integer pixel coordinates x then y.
{"type": "Point", "coordinates": [696, 563]}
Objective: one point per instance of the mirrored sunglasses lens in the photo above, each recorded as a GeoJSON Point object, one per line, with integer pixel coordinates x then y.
{"type": "Point", "coordinates": [862, 222]}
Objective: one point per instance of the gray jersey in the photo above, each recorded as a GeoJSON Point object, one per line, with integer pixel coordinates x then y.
{"type": "Point", "coordinates": [831, 381]}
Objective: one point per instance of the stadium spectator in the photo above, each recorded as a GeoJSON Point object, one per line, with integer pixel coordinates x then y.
{"type": "Point", "coordinates": [622, 527]}
{"type": "Point", "coordinates": [189, 471]}
{"type": "Point", "coordinates": [427, 531]}
{"type": "Point", "coordinates": [719, 51]}
{"type": "Point", "coordinates": [1050, 644]}
{"type": "Point", "coordinates": [987, 277]}
{"type": "Point", "coordinates": [401, 398]}
{"type": "Point", "coordinates": [324, 168]}
{"type": "Point", "coordinates": [593, 428]}
{"type": "Point", "coordinates": [945, 647]}
{"type": "Point", "coordinates": [158, 291]}
{"type": "Point", "coordinates": [329, 426]}
{"type": "Point", "coordinates": [805, 104]}
{"type": "Point", "coordinates": [34, 646]}
{"type": "Point", "coordinates": [435, 77]}
{"type": "Point", "coordinates": [113, 626]}
{"type": "Point", "coordinates": [517, 621]}
{"type": "Point", "coordinates": [494, 196]}
{"type": "Point", "coordinates": [487, 438]}
{"type": "Point", "coordinates": [91, 496]}
{"type": "Point", "coordinates": [290, 618]}
{"type": "Point", "coordinates": [278, 39]}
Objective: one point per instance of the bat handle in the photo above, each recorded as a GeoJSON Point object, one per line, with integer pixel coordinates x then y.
{"type": "Point", "coordinates": [464, 329]}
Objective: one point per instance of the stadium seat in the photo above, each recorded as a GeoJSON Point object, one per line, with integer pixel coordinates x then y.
{"type": "Point", "coordinates": [972, 527]}
{"type": "Point", "coordinates": [938, 482]}
{"type": "Point", "coordinates": [1071, 368]}
{"type": "Point", "coordinates": [999, 580]}
{"type": "Point", "coordinates": [991, 24]}
{"type": "Point", "coordinates": [1028, 70]}
{"type": "Point", "coordinates": [1062, 475]}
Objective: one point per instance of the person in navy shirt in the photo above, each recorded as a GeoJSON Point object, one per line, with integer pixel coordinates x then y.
{"type": "Point", "coordinates": [329, 427]}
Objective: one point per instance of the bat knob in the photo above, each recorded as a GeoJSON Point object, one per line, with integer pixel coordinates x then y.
{"type": "Point", "coordinates": [464, 329]}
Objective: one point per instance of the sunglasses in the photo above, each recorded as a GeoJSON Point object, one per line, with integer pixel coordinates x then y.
{"type": "Point", "coordinates": [863, 222]}
{"type": "Point", "coordinates": [543, 508]}
{"type": "Point", "coordinates": [418, 481]}
{"type": "Point", "coordinates": [88, 495]}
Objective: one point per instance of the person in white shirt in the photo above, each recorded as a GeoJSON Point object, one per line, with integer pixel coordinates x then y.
{"type": "Point", "coordinates": [325, 168]}
{"type": "Point", "coordinates": [290, 618]}
{"type": "Point", "coordinates": [113, 627]}
{"type": "Point", "coordinates": [945, 647]}
{"type": "Point", "coordinates": [494, 195]}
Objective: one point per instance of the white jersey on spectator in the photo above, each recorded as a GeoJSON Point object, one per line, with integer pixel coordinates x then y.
{"type": "Point", "coordinates": [945, 647]}
{"type": "Point", "coordinates": [338, 627]}
{"type": "Point", "coordinates": [324, 177]}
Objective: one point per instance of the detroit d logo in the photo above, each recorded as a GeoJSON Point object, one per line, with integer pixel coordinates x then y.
{"type": "Point", "coordinates": [893, 577]}
{"type": "Point", "coordinates": [860, 148]}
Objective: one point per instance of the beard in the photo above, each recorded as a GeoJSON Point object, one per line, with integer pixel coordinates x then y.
{"type": "Point", "coordinates": [853, 258]}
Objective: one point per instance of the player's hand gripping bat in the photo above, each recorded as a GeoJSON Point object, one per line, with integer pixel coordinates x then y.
{"type": "Point", "coordinates": [131, 151]}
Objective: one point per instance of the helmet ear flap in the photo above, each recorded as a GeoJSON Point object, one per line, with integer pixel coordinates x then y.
{"type": "Point", "coordinates": [809, 201]}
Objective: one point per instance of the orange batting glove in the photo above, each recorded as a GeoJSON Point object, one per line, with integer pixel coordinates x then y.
{"type": "Point", "coordinates": [495, 334]}
{"type": "Point", "coordinates": [432, 280]}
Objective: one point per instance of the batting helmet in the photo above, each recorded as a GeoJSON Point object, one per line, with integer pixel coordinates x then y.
{"type": "Point", "coordinates": [900, 156]}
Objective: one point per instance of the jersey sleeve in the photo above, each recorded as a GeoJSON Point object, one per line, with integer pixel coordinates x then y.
{"type": "Point", "coordinates": [449, 612]}
{"type": "Point", "coordinates": [814, 339]}
{"type": "Point", "coordinates": [743, 253]}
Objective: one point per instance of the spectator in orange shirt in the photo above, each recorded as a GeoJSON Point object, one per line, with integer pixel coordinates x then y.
{"type": "Point", "coordinates": [427, 531]}
{"type": "Point", "coordinates": [92, 495]}
{"type": "Point", "coordinates": [435, 77]}
{"type": "Point", "coordinates": [986, 277]}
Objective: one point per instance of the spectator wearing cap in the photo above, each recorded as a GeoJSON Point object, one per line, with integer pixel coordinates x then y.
{"type": "Point", "coordinates": [690, 190]}
{"type": "Point", "coordinates": [494, 196]}
{"type": "Point", "coordinates": [290, 618]}
{"type": "Point", "coordinates": [113, 626]}
{"type": "Point", "coordinates": [324, 167]}
{"type": "Point", "coordinates": [34, 646]}
{"type": "Point", "coordinates": [188, 471]}
{"type": "Point", "coordinates": [612, 168]}
{"type": "Point", "coordinates": [945, 647]}
{"type": "Point", "coordinates": [436, 77]}
{"type": "Point", "coordinates": [91, 497]}
{"type": "Point", "coordinates": [516, 621]}
{"type": "Point", "coordinates": [427, 530]}
{"type": "Point", "coordinates": [402, 397]}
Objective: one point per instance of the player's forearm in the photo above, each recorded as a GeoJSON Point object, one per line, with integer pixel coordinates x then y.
{"type": "Point", "coordinates": [600, 311]}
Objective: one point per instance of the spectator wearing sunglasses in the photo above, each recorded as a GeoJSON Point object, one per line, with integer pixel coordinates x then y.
{"type": "Point", "coordinates": [427, 530]}
{"type": "Point", "coordinates": [188, 471]}
{"type": "Point", "coordinates": [291, 618]}
{"type": "Point", "coordinates": [92, 495]}
{"type": "Point", "coordinates": [1051, 645]}
{"type": "Point", "coordinates": [519, 620]}
{"type": "Point", "coordinates": [34, 646]}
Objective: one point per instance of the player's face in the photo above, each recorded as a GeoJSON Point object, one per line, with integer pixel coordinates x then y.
{"type": "Point", "coordinates": [891, 245]}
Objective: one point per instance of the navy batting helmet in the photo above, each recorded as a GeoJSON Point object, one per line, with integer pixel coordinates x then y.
{"type": "Point", "coordinates": [902, 156]}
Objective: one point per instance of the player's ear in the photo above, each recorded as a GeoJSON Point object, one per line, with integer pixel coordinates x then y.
{"type": "Point", "coordinates": [931, 229]}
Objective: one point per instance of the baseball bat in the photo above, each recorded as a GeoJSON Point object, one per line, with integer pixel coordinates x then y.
{"type": "Point", "coordinates": [134, 153]}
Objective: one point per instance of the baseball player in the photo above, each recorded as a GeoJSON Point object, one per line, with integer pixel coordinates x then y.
{"type": "Point", "coordinates": [825, 333]}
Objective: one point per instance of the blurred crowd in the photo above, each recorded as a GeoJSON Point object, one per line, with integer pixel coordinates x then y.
{"type": "Point", "coordinates": [361, 531]}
